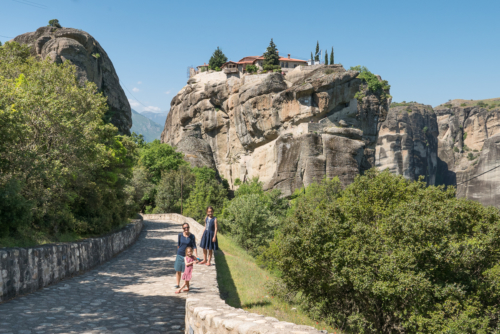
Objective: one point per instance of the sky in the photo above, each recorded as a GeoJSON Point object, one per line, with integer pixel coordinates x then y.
{"type": "Point", "coordinates": [429, 51]}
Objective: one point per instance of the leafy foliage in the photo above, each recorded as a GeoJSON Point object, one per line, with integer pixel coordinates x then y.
{"type": "Point", "coordinates": [316, 57]}
{"type": "Point", "coordinates": [69, 165]}
{"type": "Point", "coordinates": [168, 193]}
{"type": "Point", "coordinates": [158, 158]}
{"type": "Point", "coordinates": [326, 57]}
{"type": "Point", "coordinates": [251, 68]}
{"type": "Point", "coordinates": [217, 60]}
{"type": "Point", "coordinates": [388, 255]}
{"type": "Point", "coordinates": [54, 23]}
{"type": "Point", "coordinates": [375, 85]}
{"type": "Point", "coordinates": [331, 57]}
{"type": "Point", "coordinates": [271, 56]}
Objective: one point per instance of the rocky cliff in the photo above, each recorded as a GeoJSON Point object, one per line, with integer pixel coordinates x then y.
{"type": "Point", "coordinates": [468, 150]}
{"type": "Point", "coordinates": [289, 131]}
{"type": "Point", "coordinates": [91, 61]}
{"type": "Point", "coordinates": [407, 142]}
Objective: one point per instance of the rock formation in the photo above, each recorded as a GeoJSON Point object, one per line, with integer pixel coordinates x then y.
{"type": "Point", "coordinates": [288, 131]}
{"type": "Point", "coordinates": [407, 142]}
{"type": "Point", "coordinates": [91, 61]}
{"type": "Point", "coordinates": [468, 146]}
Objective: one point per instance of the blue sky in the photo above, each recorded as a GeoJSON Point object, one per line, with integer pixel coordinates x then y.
{"type": "Point", "coordinates": [429, 51]}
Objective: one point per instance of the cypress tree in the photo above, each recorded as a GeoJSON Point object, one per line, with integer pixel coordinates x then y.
{"type": "Point", "coordinates": [312, 58]}
{"type": "Point", "coordinates": [271, 56]}
{"type": "Point", "coordinates": [326, 57]}
{"type": "Point", "coordinates": [217, 59]}
{"type": "Point", "coordinates": [317, 51]}
{"type": "Point", "coordinates": [331, 57]}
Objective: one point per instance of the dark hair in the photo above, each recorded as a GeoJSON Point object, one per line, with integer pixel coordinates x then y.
{"type": "Point", "coordinates": [209, 207]}
{"type": "Point", "coordinates": [185, 224]}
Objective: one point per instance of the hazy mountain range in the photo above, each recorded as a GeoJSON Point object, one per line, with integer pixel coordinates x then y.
{"type": "Point", "coordinates": [159, 118]}
{"type": "Point", "coordinates": [146, 126]}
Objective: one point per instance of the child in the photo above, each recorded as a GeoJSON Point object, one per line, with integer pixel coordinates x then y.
{"type": "Point", "coordinates": [186, 276]}
{"type": "Point", "coordinates": [209, 239]}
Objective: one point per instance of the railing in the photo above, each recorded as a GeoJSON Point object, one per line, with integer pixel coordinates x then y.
{"type": "Point", "coordinates": [228, 70]}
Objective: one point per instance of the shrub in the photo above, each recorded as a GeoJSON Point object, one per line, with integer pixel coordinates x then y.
{"type": "Point", "coordinates": [374, 84]}
{"type": "Point", "coordinates": [158, 158]}
{"type": "Point", "coordinates": [206, 192]}
{"type": "Point", "coordinates": [390, 255]}
{"type": "Point", "coordinates": [268, 67]}
{"type": "Point", "coordinates": [425, 129]}
{"type": "Point", "coordinates": [471, 156]}
{"type": "Point", "coordinates": [456, 149]}
{"type": "Point", "coordinates": [482, 104]}
{"type": "Point", "coordinates": [463, 105]}
{"type": "Point", "coordinates": [277, 70]}
{"type": "Point", "coordinates": [464, 136]}
{"type": "Point", "coordinates": [251, 68]}
{"type": "Point", "coordinates": [15, 209]}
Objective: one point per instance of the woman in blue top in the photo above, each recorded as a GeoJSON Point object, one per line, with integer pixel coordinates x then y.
{"type": "Point", "coordinates": [186, 239]}
{"type": "Point", "coordinates": [209, 238]}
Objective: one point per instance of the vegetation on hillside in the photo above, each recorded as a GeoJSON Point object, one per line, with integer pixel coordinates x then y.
{"type": "Point", "coordinates": [63, 169]}
{"type": "Point", "coordinates": [372, 82]}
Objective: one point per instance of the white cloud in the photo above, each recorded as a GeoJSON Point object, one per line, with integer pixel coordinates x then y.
{"type": "Point", "coordinates": [135, 90]}
{"type": "Point", "coordinates": [152, 108]}
{"type": "Point", "coordinates": [139, 82]}
{"type": "Point", "coordinates": [167, 92]}
{"type": "Point", "coordinates": [134, 103]}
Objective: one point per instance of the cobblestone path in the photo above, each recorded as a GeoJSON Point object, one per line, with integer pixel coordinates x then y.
{"type": "Point", "coordinates": [132, 293]}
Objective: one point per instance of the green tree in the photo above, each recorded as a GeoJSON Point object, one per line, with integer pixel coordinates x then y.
{"type": "Point", "coordinates": [54, 23]}
{"type": "Point", "coordinates": [140, 191]}
{"type": "Point", "coordinates": [389, 255]}
{"type": "Point", "coordinates": [271, 56]}
{"type": "Point", "coordinates": [217, 60]}
{"type": "Point", "coordinates": [312, 58]}
{"type": "Point", "coordinates": [331, 57]}
{"type": "Point", "coordinates": [205, 193]}
{"type": "Point", "coordinates": [316, 57]}
{"type": "Point", "coordinates": [73, 167]}
{"type": "Point", "coordinates": [326, 57]}
{"type": "Point", "coordinates": [173, 184]}
{"type": "Point", "coordinates": [159, 158]}
{"type": "Point", "coordinates": [374, 84]}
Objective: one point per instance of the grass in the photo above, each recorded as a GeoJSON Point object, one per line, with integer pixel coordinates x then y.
{"type": "Point", "coordinates": [470, 103]}
{"type": "Point", "coordinates": [241, 283]}
{"type": "Point", "coordinates": [32, 238]}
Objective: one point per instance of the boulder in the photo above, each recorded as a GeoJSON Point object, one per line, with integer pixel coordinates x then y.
{"type": "Point", "coordinates": [91, 61]}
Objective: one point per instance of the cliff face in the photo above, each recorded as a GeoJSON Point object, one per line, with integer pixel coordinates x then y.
{"type": "Point", "coordinates": [407, 142]}
{"type": "Point", "coordinates": [289, 131]}
{"type": "Point", "coordinates": [91, 61]}
{"type": "Point", "coordinates": [468, 146]}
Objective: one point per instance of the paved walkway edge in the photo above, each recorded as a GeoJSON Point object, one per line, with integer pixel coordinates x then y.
{"type": "Point", "coordinates": [206, 312]}
{"type": "Point", "coordinates": [26, 270]}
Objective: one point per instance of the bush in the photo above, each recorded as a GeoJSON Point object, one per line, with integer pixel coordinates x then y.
{"type": "Point", "coordinates": [463, 105]}
{"type": "Point", "coordinates": [390, 255]}
{"type": "Point", "coordinates": [374, 84]}
{"type": "Point", "coordinates": [15, 210]}
{"type": "Point", "coordinates": [425, 129]}
{"type": "Point", "coordinates": [464, 136]}
{"type": "Point", "coordinates": [158, 158]}
{"type": "Point", "coordinates": [268, 67]}
{"type": "Point", "coordinates": [206, 192]}
{"type": "Point", "coordinates": [251, 68]}
{"type": "Point", "coordinates": [482, 104]}
{"type": "Point", "coordinates": [455, 149]}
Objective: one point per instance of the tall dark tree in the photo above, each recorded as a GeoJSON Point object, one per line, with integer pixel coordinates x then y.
{"type": "Point", "coordinates": [217, 59]}
{"type": "Point", "coordinates": [326, 57]}
{"type": "Point", "coordinates": [271, 56]}
{"type": "Point", "coordinates": [331, 57]}
{"type": "Point", "coordinates": [312, 58]}
{"type": "Point", "coordinates": [317, 51]}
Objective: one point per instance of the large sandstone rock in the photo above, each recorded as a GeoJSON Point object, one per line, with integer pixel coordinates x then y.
{"type": "Point", "coordinates": [407, 142]}
{"type": "Point", "coordinates": [91, 61]}
{"type": "Point", "coordinates": [468, 146]}
{"type": "Point", "coordinates": [288, 131]}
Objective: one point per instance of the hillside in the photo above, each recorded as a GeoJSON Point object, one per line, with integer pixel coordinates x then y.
{"type": "Point", "coordinates": [156, 117]}
{"type": "Point", "coordinates": [487, 103]}
{"type": "Point", "coordinates": [146, 127]}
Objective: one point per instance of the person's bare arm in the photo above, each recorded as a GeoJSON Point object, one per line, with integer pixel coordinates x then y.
{"type": "Point", "coordinates": [187, 263]}
{"type": "Point", "coordinates": [215, 232]}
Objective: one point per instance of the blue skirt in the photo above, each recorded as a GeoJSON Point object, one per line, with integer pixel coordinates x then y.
{"type": "Point", "coordinates": [206, 241]}
{"type": "Point", "coordinates": [179, 264]}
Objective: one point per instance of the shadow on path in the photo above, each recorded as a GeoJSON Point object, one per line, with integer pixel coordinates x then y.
{"type": "Point", "coordinates": [132, 293]}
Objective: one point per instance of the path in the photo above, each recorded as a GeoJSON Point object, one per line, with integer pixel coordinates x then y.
{"type": "Point", "coordinates": [132, 293]}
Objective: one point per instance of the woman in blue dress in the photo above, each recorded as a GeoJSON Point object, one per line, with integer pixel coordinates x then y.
{"type": "Point", "coordinates": [185, 239]}
{"type": "Point", "coordinates": [209, 240]}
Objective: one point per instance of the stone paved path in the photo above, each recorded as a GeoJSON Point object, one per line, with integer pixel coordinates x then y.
{"type": "Point", "coordinates": [132, 293]}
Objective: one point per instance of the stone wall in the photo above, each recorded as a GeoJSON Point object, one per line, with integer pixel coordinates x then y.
{"type": "Point", "coordinates": [207, 313]}
{"type": "Point", "coordinates": [25, 270]}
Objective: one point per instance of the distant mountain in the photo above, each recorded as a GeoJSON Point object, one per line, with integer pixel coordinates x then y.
{"type": "Point", "coordinates": [159, 118]}
{"type": "Point", "coordinates": [145, 126]}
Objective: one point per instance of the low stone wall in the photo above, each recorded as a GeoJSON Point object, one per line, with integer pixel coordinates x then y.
{"type": "Point", "coordinates": [207, 313]}
{"type": "Point", "coordinates": [25, 270]}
